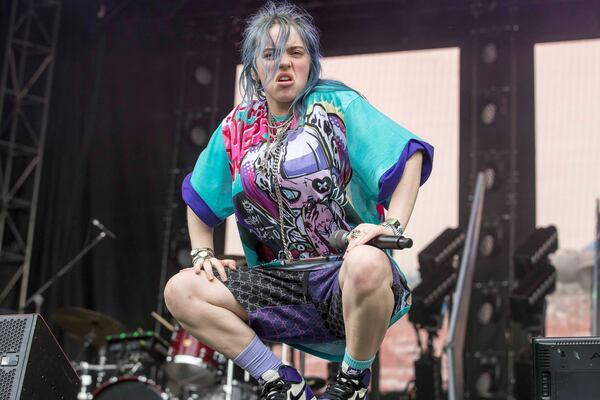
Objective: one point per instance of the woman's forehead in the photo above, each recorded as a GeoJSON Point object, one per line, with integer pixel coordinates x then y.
{"type": "Point", "coordinates": [294, 38]}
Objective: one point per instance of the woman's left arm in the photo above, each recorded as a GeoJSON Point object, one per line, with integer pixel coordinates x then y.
{"type": "Point", "coordinates": [401, 203]}
{"type": "Point", "coordinates": [403, 199]}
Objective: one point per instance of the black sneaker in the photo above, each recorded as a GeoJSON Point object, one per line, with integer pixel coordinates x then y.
{"type": "Point", "coordinates": [284, 384]}
{"type": "Point", "coordinates": [349, 385]}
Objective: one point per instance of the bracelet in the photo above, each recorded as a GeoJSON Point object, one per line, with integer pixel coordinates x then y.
{"type": "Point", "coordinates": [394, 225]}
{"type": "Point", "coordinates": [201, 254]}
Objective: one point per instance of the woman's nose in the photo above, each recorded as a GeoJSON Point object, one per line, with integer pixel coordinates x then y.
{"type": "Point", "coordinates": [285, 62]}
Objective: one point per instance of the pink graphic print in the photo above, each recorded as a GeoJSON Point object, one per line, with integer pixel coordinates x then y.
{"type": "Point", "coordinates": [240, 134]}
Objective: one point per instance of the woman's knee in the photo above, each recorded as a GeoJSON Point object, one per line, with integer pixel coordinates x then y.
{"type": "Point", "coordinates": [177, 292]}
{"type": "Point", "coordinates": [366, 268]}
{"type": "Point", "coordinates": [189, 293]}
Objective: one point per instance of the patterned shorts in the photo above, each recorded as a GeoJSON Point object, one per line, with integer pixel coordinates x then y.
{"type": "Point", "coordinates": [298, 306]}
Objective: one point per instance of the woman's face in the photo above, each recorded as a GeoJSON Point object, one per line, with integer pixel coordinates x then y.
{"type": "Point", "coordinates": [291, 74]}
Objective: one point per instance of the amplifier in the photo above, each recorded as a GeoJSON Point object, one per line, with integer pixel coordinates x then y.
{"type": "Point", "coordinates": [566, 368]}
{"type": "Point", "coordinates": [32, 364]}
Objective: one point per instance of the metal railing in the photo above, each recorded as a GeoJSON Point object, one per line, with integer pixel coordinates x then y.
{"type": "Point", "coordinates": [462, 295]}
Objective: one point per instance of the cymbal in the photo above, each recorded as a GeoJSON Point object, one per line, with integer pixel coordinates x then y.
{"type": "Point", "coordinates": [86, 324]}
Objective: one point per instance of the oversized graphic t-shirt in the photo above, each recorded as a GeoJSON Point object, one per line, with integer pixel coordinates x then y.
{"type": "Point", "coordinates": [339, 165]}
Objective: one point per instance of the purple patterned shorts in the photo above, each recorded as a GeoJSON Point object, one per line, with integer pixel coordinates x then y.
{"type": "Point", "coordinates": [298, 306]}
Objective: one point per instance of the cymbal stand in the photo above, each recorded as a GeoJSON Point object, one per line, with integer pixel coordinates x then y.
{"type": "Point", "coordinates": [228, 388]}
{"type": "Point", "coordinates": [86, 381]}
{"type": "Point", "coordinates": [101, 364]}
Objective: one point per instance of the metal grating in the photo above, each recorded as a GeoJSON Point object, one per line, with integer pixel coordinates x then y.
{"type": "Point", "coordinates": [11, 335]}
{"type": "Point", "coordinates": [544, 358]}
{"type": "Point", "coordinates": [576, 342]}
{"type": "Point", "coordinates": [7, 379]}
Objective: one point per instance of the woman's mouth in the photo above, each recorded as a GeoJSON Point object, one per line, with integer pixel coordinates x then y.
{"type": "Point", "coordinates": [285, 80]}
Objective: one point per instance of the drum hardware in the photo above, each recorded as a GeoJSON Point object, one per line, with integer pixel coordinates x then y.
{"type": "Point", "coordinates": [101, 362]}
{"type": "Point", "coordinates": [228, 388]}
{"type": "Point", "coordinates": [142, 346]}
{"type": "Point", "coordinates": [85, 370]}
{"type": "Point", "coordinates": [170, 327]}
{"type": "Point", "coordinates": [86, 381]}
{"type": "Point", "coordinates": [188, 369]}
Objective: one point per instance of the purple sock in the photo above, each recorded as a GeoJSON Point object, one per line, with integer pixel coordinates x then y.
{"type": "Point", "coordinates": [256, 359]}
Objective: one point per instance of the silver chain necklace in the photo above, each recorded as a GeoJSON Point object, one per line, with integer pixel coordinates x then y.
{"type": "Point", "coordinates": [278, 154]}
{"type": "Point", "coordinates": [263, 160]}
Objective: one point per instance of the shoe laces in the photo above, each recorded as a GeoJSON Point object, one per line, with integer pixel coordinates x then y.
{"type": "Point", "coordinates": [275, 390]}
{"type": "Point", "coordinates": [343, 388]}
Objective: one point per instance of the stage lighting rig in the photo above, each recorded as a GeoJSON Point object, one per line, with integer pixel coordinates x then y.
{"type": "Point", "coordinates": [441, 251]}
{"type": "Point", "coordinates": [438, 267]}
{"type": "Point", "coordinates": [429, 296]}
{"type": "Point", "coordinates": [535, 250]}
{"type": "Point", "coordinates": [537, 277]}
{"type": "Point", "coordinates": [527, 301]}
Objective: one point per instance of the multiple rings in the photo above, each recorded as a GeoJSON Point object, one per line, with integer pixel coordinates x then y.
{"type": "Point", "coordinates": [201, 254]}
{"type": "Point", "coordinates": [354, 233]}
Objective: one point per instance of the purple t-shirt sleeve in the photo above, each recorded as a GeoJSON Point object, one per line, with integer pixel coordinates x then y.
{"type": "Point", "coordinates": [389, 180]}
{"type": "Point", "coordinates": [197, 204]}
{"type": "Point", "coordinates": [207, 190]}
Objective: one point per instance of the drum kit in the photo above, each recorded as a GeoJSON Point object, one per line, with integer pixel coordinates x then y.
{"type": "Point", "coordinates": [143, 365]}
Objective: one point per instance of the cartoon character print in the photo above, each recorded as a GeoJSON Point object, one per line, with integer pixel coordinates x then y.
{"type": "Point", "coordinates": [313, 174]}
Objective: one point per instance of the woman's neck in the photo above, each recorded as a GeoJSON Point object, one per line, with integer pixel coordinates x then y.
{"type": "Point", "coordinates": [279, 110]}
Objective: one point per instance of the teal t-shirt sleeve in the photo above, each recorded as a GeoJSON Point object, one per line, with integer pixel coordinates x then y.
{"type": "Point", "coordinates": [207, 190]}
{"type": "Point", "coordinates": [378, 150]}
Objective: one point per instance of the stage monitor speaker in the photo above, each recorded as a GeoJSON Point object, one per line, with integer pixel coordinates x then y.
{"type": "Point", "coordinates": [32, 364]}
{"type": "Point", "coordinates": [566, 368]}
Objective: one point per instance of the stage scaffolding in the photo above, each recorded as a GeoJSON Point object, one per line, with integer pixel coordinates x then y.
{"type": "Point", "coordinates": [25, 92]}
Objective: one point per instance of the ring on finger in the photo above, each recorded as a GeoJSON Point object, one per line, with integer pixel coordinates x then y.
{"type": "Point", "coordinates": [202, 260]}
{"type": "Point", "coordinates": [354, 233]}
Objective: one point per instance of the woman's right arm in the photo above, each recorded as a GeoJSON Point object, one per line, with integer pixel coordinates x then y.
{"type": "Point", "coordinates": [201, 235]}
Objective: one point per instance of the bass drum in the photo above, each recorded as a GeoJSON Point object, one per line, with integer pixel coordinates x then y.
{"type": "Point", "coordinates": [129, 388]}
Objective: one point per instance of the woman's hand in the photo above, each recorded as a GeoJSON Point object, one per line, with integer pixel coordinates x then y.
{"type": "Point", "coordinates": [211, 263]}
{"type": "Point", "coordinates": [365, 232]}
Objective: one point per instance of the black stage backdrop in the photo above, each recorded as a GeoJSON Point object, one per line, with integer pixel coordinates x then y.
{"type": "Point", "coordinates": [107, 156]}
{"type": "Point", "coordinates": [4, 16]}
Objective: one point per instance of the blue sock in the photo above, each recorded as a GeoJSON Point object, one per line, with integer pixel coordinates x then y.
{"type": "Point", "coordinates": [353, 366]}
{"type": "Point", "coordinates": [256, 359]}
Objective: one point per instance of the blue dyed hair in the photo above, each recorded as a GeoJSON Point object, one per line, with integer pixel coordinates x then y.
{"type": "Point", "coordinates": [256, 37]}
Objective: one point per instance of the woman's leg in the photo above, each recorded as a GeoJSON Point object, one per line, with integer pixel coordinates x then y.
{"type": "Point", "coordinates": [209, 311]}
{"type": "Point", "coordinates": [366, 283]}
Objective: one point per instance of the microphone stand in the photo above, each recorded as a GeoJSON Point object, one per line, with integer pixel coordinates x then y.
{"type": "Point", "coordinates": [37, 296]}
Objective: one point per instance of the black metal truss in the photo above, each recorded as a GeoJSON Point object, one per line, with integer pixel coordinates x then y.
{"type": "Point", "coordinates": [25, 91]}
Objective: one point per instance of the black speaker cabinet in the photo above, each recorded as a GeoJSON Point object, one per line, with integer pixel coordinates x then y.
{"type": "Point", "coordinates": [32, 364]}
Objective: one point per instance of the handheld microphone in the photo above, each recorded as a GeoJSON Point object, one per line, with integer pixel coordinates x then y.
{"type": "Point", "coordinates": [339, 240]}
{"type": "Point", "coordinates": [104, 229]}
